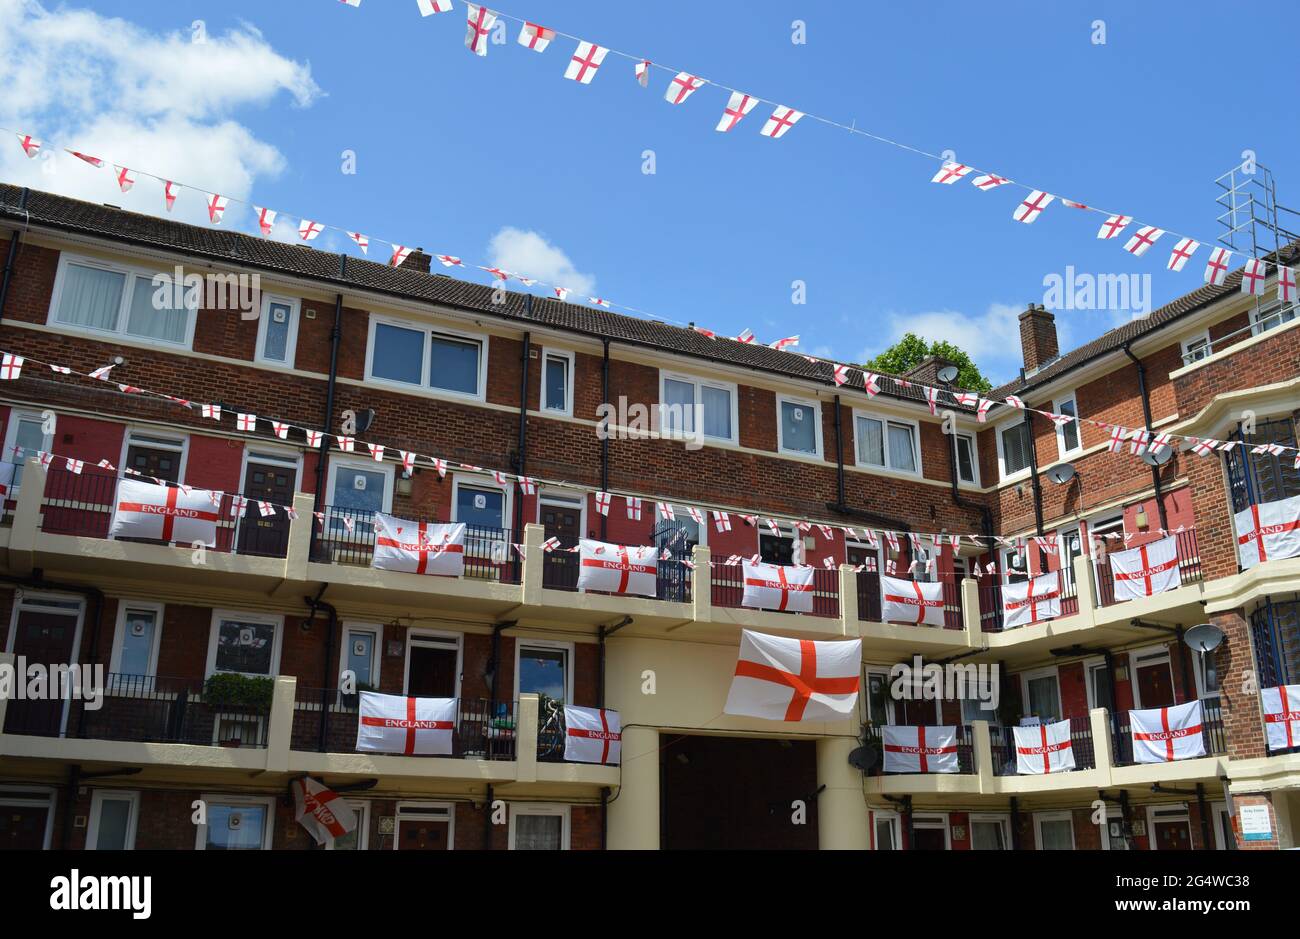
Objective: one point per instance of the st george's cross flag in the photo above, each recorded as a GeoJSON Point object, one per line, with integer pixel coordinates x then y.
{"type": "Point", "coordinates": [617, 568]}
{"type": "Point", "coordinates": [390, 723]}
{"type": "Point", "coordinates": [1147, 570]}
{"type": "Point", "coordinates": [1268, 532]}
{"type": "Point", "coordinates": [419, 547]}
{"type": "Point", "coordinates": [1032, 600]}
{"type": "Point", "coordinates": [780, 679]}
{"type": "Point", "coordinates": [321, 811]}
{"type": "Point", "coordinates": [920, 749]}
{"type": "Point", "coordinates": [911, 601]}
{"type": "Point", "coordinates": [592, 735]}
{"type": "Point", "coordinates": [165, 513]}
{"type": "Point", "coordinates": [1282, 716]}
{"type": "Point", "coordinates": [1162, 735]}
{"type": "Point", "coordinates": [777, 587]}
{"type": "Point", "coordinates": [1045, 748]}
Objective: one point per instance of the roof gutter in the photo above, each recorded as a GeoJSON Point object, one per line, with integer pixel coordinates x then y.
{"type": "Point", "coordinates": [1146, 416]}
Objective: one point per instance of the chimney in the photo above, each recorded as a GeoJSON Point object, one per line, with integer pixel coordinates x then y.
{"type": "Point", "coordinates": [926, 371]}
{"type": "Point", "coordinates": [417, 260]}
{"type": "Point", "coordinates": [1038, 337]}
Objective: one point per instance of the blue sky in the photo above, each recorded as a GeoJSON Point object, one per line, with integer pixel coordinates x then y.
{"type": "Point", "coordinates": [500, 159]}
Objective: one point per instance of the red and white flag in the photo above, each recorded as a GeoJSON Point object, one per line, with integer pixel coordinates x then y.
{"type": "Point", "coordinates": [400, 254]}
{"type": "Point", "coordinates": [746, 337]}
{"type": "Point", "coordinates": [321, 811]}
{"type": "Point", "coordinates": [1032, 206]}
{"type": "Point", "coordinates": [1183, 250]}
{"type": "Point", "coordinates": [1117, 437]}
{"type": "Point", "coordinates": [1113, 226]}
{"type": "Point", "coordinates": [1045, 748]}
{"type": "Point", "coordinates": [592, 735]}
{"type": "Point", "coordinates": [1142, 239]}
{"type": "Point", "coordinates": [216, 207]}
{"type": "Point", "coordinates": [780, 679]}
{"type": "Point", "coordinates": [31, 146]}
{"type": "Point", "coordinates": [633, 508]}
{"type": "Point", "coordinates": [919, 749]}
{"type": "Point", "coordinates": [11, 366]}
{"type": "Point", "coordinates": [585, 62]}
{"type": "Point", "coordinates": [124, 178]}
{"type": "Point", "coordinates": [602, 503]}
{"type": "Point", "coordinates": [419, 547]}
{"type": "Point", "coordinates": [738, 106]}
{"type": "Point", "coordinates": [1286, 284]}
{"type": "Point", "coordinates": [246, 422]}
{"type": "Point", "coordinates": [780, 121]}
{"type": "Point", "coordinates": [1216, 269]}
{"type": "Point", "coordinates": [616, 568]}
{"type": "Point", "coordinates": [871, 381]}
{"type": "Point", "coordinates": [950, 172]}
{"type": "Point", "coordinates": [643, 73]}
{"type": "Point", "coordinates": [1162, 735]}
{"type": "Point", "coordinates": [430, 7]}
{"type": "Point", "coordinates": [789, 342]}
{"type": "Point", "coordinates": [265, 220]}
{"type": "Point", "coordinates": [535, 37]}
{"type": "Point", "coordinates": [989, 181]}
{"type": "Point", "coordinates": [478, 26]}
{"type": "Point", "coordinates": [665, 510]}
{"type": "Point", "coordinates": [1282, 716]}
{"type": "Point", "coordinates": [777, 587]}
{"type": "Point", "coordinates": [361, 240]}
{"type": "Point", "coordinates": [164, 513]}
{"type": "Point", "coordinates": [1253, 277]}
{"type": "Point", "coordinates": [932, 398]}
{"type": "Point", "coordinates": [682, 87]}
{"type": "Point", "coordinates": [1268, 531]}
{"type": "Point", "coordinates": [169, 193]}
{"type": "Point", "coordinates": [911, 601]}
{"type": "Point", "coordinates": [1147, 570]}
{"type": "Point", "coordinates": [94, 161]}
{"type": "Point", "coordinates": [721, 521]}
{"type": "Point", "coordinates": [388, 723]}
{"type": "Point", "coordinates": [1032, 600]}
{"type": "Point", "coordinates": [308, 230]}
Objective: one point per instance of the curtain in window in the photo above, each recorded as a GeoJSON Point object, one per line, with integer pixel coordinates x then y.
{"type": "Point", "coordinates": [987, 836]}
{"type": "Point", "coordinates": [678, 415]}
{"type": "Point", "coordinates": [1056, 835]}
{"type": "Point", "coordinates": [717, 412]}
{"type": "Point", "coordinates": [91, 297]}
{"type": "Point", "coordinates": [902, 455]}
{"type": "Point", "coordinates": [144, 318]}
{"type": "Point", "coordinates": [538, 832]}
{"type": "Point", "coordinates": [1043, 699]}
{"type": "Point", "coordinates": [871, 447]}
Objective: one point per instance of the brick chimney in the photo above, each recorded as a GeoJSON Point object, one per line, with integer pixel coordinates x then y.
{"type": "Point", "coordinates": [1038, 337]}
{"type": "Point", "coordinates": [417, 260]}
{"type": "Point", "coordinates": [926, 371]}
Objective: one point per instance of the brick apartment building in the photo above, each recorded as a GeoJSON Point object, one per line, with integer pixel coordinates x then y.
{"type": "Point", "coordinates": [430, 364]}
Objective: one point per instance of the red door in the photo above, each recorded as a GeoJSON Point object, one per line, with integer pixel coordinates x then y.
{"type": "Point", "coordinates": [1173, 836]}
{"type": "Point", "coordinates": [420, 834]}
{"type": "Point", "coordinates": [43, 637]}
{"type": "Point", "coordinates": [1155, 685]}
{"type": "Point", "coordinates": [929, 839]}
{"type": "Point", "coordinates": [22, 827]}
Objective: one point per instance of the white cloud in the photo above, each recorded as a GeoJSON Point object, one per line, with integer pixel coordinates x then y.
{"type": "Point", "coordinates": [528, 253]}
{"type": "Point", "coordinates": [157, 102]}
{"type": "Point", "coordinates": [991, 339]}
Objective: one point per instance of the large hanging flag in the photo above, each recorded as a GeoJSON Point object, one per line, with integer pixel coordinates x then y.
{"type": "Point", "coordinates": [738, 106]}
{"type": "Point", "coordinates": [321, 811]}
{"type": "Point", "coordinates": [682, 87]}
{"type": "Point", "coordinates": [780, 121]}
{"type": "Point", "coordinates": [585, 62]}
{"type": "Point", "coordinates": [1045, 748]}
{"type": "Point", "coordinates": [1162, 735]}
{"type": "Point", "coordinates": [1268, 531]}
{"type": "Point", "coordinates": [389, 723]}
{"type": "Point", "coordinates": [164, 513]}
{"type": "Point", "coordinates": [780, 679]}
{"type": "Point", "coordinates": [419, 547]}
{"type": "Point", "coordinates": [616, 568]}
{"type": "Point", "coordinates": [911, 601]}
{"type": "Point", "coordinates": [592, 735]}
{"type": "Point", "coordinates": [479, 23]}
{"type": "Point", "coordinates": [535, 37]}
{"type": "Point", "coordinates": [1146, 570]}
{"type": "Point", "coordinates": [920, 749]}
{"type": "Point", "coordinates": [1032, 600]}
{"type": "Point", "coordinates": [777, 587]}
{"type": "Point", "coordinates": [1282, 716]}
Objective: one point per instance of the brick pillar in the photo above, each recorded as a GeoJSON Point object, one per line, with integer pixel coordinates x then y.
{"type": "Point", "coordinates": [1242, 724]}
{"type": "Point", "coordinates": [1216, 539]}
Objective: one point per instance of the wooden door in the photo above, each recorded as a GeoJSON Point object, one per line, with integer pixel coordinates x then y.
{"type": "Point", "coordinates": [1173, 836]}
{"type": "Point", "coordinates": [1155, 685]}
{"type": "Point", "coordinates": [560, 568]}
{"type": "Point", "coordinates": [266, 482]}
{"type": "Point", "coordinates": [423, 834]}
{"type": "Point", "coordinates": [22, 827]}
{"type": "Point", "coordinates": [45, 638]}
{"type": "Point", "coordinates": [431, 671]}
{"type": "Point", "coordinates": [158, 462]}
{"type": "Point", "coordinates": [929, 839]}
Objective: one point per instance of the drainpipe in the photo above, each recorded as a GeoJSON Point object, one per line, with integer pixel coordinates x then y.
{"type": "Point", "coordinates": [495, 661]}
{"type": "Point", "coordinates": [604, 441]}
{"type": "Point", "coordinates": [487, 819]}
{"type": "Point", "coordinates": [1112, 701]}
{"type": "Point", "coordinates": [1034, 481]}
{"type": "Point", "coordinates": [14, 238]}
{"type": "Point", "coordinates": [1015, 824]}
{"type": "Point", "coordinates": [521, 455]}
{"type": "Point", "coordinates": [1204, 811]}
{"type": "Point", "coordinates": [839, 456]}
{"type": "Point", "coordinates": [1189, 689]}
{"type": "Point", "coordinates": [602, 634]}
{"type": "Point", "coordinates": [1146, 416]}
{"type": "Point", "coordinates": [336, 336]}
{"type": "Point", "coordinates": [986, 523]}
{"type": "Point", "coordinates": [332, 622]}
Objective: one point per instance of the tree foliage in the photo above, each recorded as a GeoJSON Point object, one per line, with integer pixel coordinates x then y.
{"type": "Point", "coordinates": [909, 351]}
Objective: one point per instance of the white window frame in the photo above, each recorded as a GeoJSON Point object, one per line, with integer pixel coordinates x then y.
{"type": "Point", "coordinates": [291, 342]}
{"type": "Point", "coordinates": [17, 415]}
{"type": "Point", "coordinates": [209, 799]}
{"type": "Point", "coordinates": [783, 399]}
{"type": "Point", "coordinates": [331, 477]}
{"type": "Point", "coordinates": [1270, 308]}
{"type": "Point", "coordinates": [9, 795]}
{"type": "Point", "coordinates": [1219, 813]}
{"type": "Point", "coordinates": [1062, 450]}
{"type": "Point", "coordinates": [1185, 347]}
{"type": "Point", "coordinates": [96, 809]}
{"type": "Point", "coordinates": [569, 649]}
{"type": "Point", "coordinates": [1164, 658]}
{"type": "Point", "coordinates": [733, 392]}
{"type": "Point", "coordinates": [1089, 665]}
{"type": "Point", "coordinates": [1040, 817]}
{"type": "Point", "coordinates": [1049, 671]}
{"type": "Point", "coordinates": [362, 808]}
{"type": "Point", "coordinates": [157, 440]}
{"type": "Point", "coordinates": [1179, 807]}
{"type": "Point", "coordinates": [569, 383]}
{"type": "Point", "coordinates": [266, 619]}
{"type": "Point", "coordinates": [932, 821]}
{"type": "Point", "coordinates": [998, 818]}
{"type": "Point", "coordinates": [1198, 674]}
{"type": "Point", "coordinates": [119, 333]}
{"type": "Point", "coordinates": [540, 808]}
{"type": "Point", "coordinates": [998, 431]}
{"type": "Point", "coordinates": [119, 633]}
{"type": "Point", "coordinates": [436, 637]}
{"type": "Point", "coordinates": [1117, 844]}
{"type": "Point", "coordinates": [486, 482]}
{"type": "Point", "coordinates": [885, 420]}
{"type": "Point", "coordinates": [895, 824]}
{"type": "Point", "coordinates": [973, 439]}
{"type": "Point", "coordinates": [428, 330]}
{"type": "Point", "coordinates": [350, 626]}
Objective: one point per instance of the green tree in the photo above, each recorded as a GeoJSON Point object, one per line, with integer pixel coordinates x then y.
{"type": "Point", "coordinates": [908, 352]}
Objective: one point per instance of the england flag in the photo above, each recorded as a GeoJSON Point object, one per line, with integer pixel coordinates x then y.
{"type": "Point", "coordinates": [1045, 748]}
{"type": "Point", "coordinates": [1162, 735]}
{"type": "Point", "coordinates": [777, 587]}
{"type": "Point", "coordinates": [321, 811]}
{"type": "Point", "coordinates": [165, 513]}
{"type": "Point", "coordinates": [592, 735]}
{"type": "Point", "coordinates": [911, 601]}
{"type": "Point", "coordinates": [1268, 532]}
{"type": "Point", "coordinates": [1146, 570]}
{"type": "Point", "coordinates": [780, 679]}
{"type": "Point", "coordinates": [1032, 600]}
{"type": "Point", "coordinates": [388, 723]}
{"type": "Point", "coordinates": [616, 568]}
{"type": "Point", "coordinates": [920, 749]}
{"type": "Point", "coordinates": [1282, 716]}
{"type": "Point", "coordinates": [419, 547]}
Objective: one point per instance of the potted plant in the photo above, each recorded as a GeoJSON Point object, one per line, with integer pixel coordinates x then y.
{"type": "Point", "coordinates": [229, 690]}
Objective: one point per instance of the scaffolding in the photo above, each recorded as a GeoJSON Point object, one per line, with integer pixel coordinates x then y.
{"type": "Point", "coordinates": [1252, 221]}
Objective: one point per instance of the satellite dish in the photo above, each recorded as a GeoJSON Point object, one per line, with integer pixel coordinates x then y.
{"type": "Point", "coordinates": [1203, 638]}
{"type": "Point", "coordinates": [948, 374]}
{"type": "Point", "coordinates": [864, 758]}
{"type": "Point", "coordinates": [1163, 456]}
{"type": "Point", "coordinates": [1061, 474]}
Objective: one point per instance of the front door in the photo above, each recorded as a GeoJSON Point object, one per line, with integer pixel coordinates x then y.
{"type": "Point", "coordinates": [1173, 836]}
{"type": "Point", "coordinates": [424, 833]}
{"type": "Point", "coordinates": [43, 636]}
{"type": "Point", "coordinates": [917, 713]}
{"type": "Point", "coordinates": [431, 669]}
{"type": "Point", "coordinates": [22, 827]}
{"type": "Point", "coordinates": [868, 581]}
{"type": "Point", "coordinates": [266, 482]}
{"type": "Point", "coordinates": [1155, 685]}
{"type": "Point", "coordinates": [560, 568]}
{"type": "Point", "coordinates": [929, 839]}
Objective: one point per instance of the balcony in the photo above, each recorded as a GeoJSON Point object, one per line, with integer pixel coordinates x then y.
{"type": "Point", "coordinates": [1189, 569]}
{"type": "Point", "coordinates": [1216, 742]}
{"type": "Point", "coordinates": [1003, 747]}
{"type": "Point", "coordinates": [729, 589]}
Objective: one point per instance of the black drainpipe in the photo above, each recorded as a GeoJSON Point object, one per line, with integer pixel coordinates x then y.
{"type": "Point", "coordinates": [336, 337]}
{"type": "Point", "coordinates": [14, 238]}
{"type": "Point", "coordinates": [604, 441]}
{"type": "Point", "coordinates": [1207, 843]}
{"type": "Point", "coordinates": [1146, 416]}
{"type": "Point", "coordinates": [839, 455]}
{"type": "Point", "coordinates": [326, 683]}
{"type": "Point", "coordinates": [603, 633]}
{"type": "Point", "coordinates": [1112, 702]}
{"type": "Point", "coordinates": [1035, 482]}
{"type": "Point", "coordinates": [487, 819]}
{"type": "Point", "coordinates": [521, 456]}
{"type": "Point", "coordinates": [1015, 824]}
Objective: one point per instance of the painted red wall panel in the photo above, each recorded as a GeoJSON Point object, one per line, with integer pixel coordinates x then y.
{"type": "Point", "coordinates": [214, 463]}
{"type": "Point", "coordinates": [1074, 690]}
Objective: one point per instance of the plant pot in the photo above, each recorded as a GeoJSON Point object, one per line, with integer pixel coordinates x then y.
{"type": "Point", "coordinates": [229, 743]}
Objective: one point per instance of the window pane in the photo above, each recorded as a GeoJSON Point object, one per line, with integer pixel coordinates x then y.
{"type": "Point", "coordinates": [358, 489]}
{"type": "Point", "coordinates": [557, 383]}
{"type": "Point", "coordinates": [902, 455]}
{"type": "Point", "coordinates": [987, 836]}
{"type": "Point", "coordinates": [276, 345]}
{"type": "Point", "coordinates": [1015, 448]}
{"type": "Point", "coordinates": [245, 647]}
{"type": "Point", "coordinates": [798, 427]}
{"type": "Point", "coordinates": [137, 642]}
{"type": "Point", "coordinates": [885, 835]}
{"type": "Point", "coordinates": [717, 412]}
{"type": "Point", "coordinates": [877, 699]}
{"type": "Point", "coordinates": [541, 671]}
{"type": "Point", "coordinates": [1043, 698]}
{"type": "Point", "coordinates": [453, 364]}
{"type": "Point", "coordinates": [28, 438]}
{"type": "Point", "coordinates": [91, 297]}
{"type": "Point", "coordinates": [1070, 431]}
{"type": "Point", "coordinates": [871, 442]}
{"type": "Point", "coordinates": [152, 321]}
{"type": "Point", "coordinates": [538, 832]}
{"type": "Point", "coordinates": [398, 354]}
{"type": "Point", "coordinates": [114, 820]}
{"type": "Point", "coordinates": [678, 413]}
{"type": "Point", "coordinates": [352, 840]}
{"type": "Point", "coordinates": [236, 827]}
{"type": "Point", "coordinates": [1056, 835]}
{"type": "Point", "coordinates": [482, 507]}
{"type": "Point", "coordinates": [1100, 677]}
{"type": "Point", "coordinates": [965, 460]}
{"type": "Point", "coordinates": [361, 655]}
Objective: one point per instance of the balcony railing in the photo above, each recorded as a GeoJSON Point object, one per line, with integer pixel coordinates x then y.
{"type": "Point", "coordinates": [729, 589]}
{"type": "Point", "coordinates": [560, 570]}
{"type": "Point", "coordinates": [990, 592]}
{"type": "Point", "coordinates": [347, 536]}
{"type": "Point", "coordinates": [1003, 746]}
{"type": "Point", "coordinates": [966, 757]}
{"type": "Point", "coordinates": [1189, 568]}
{"type": "Point", "coordinates": [1216, 743]}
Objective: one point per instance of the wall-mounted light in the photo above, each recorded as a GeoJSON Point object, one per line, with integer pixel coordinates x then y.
{"type": "Point", "coordinates": [1141, 518]}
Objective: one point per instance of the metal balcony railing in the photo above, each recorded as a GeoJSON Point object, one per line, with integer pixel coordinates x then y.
{"type": "Point", "coordinates": [1003, 746]}
{"type": "Point", "coordinates": [560, 569]}
{"type": "Point", "coordinates": [1189, 568]}
{"type": "Point", "coordinates": [1216, 743]}
{"type": "Point", "coordinates": [729, 589]}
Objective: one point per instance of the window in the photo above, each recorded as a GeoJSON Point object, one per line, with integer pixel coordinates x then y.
{"type": "Point", "coordinates": [443, 360]}
{"type": "Point", "coordinates": [92, 296]}
{"type": "Point", "coordinates": [989, 833]}
{"type": "Point", "coordinates": [1067, 434]}
{"type": "Point", "coordinates": [1070, 547]}
{"type": "Point", "coordinates": [113, 816]}
{"type": "Point", "coordinates": [1112, 833]}
{"type": "Point", "coordinates": [236, 824]}
{"type": "Point", "coordinates": [480, 504]}
{"type": "Point", "coordinates": [1197, 348]}
{"type": "Point", "coordinates": [135, 643]}
{"type": "Point", "coordinates": [360, 487]}
{"type": "Point", "coordinates": [1042, 695]}
{"type": "Point", "coordinates": [1269, 314]}
{"type": "Point", "coordinates": [888, 444]}
{"type": "Point", "coordinates": [539, 827]}
{"type": "Point", "coordinates": [1053, 831]}
{"type": "Point", "coordinates": [542, 668]}
{"type": "Point", "coordinates": [686, 401]}
{"type": "Point", "coordinates": [245, 643]}
{"type": "Point", "coordinates": [358, 839]}
{"type": "Point", "coordinates": [1207, 674]}
{"type": "Point", "coordinates": [887, 827]}
{"type": "Point", "coordinates": [1013, 566]}
{"type": "Point", "coordinates": [24, 437]}
{"type": "Point", "coordinates": [968, 463]}
{"type": "Point", "coordinates": [1013, 448]}
{"type": "Point", "coordinates": [557, 382]}
{"type": "Point", "coordinates": [797, 430]}
{"type": "Point", "coordinates": [973, 709]}
{"type": "Point", "coordinates": [277, 331]}
{"type": "Point", "coordinates": [362, 648]}
{"type": "Point", "coordinates": [1099, 686]}
{"type": "Point", "coordinates": [878, 698]}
